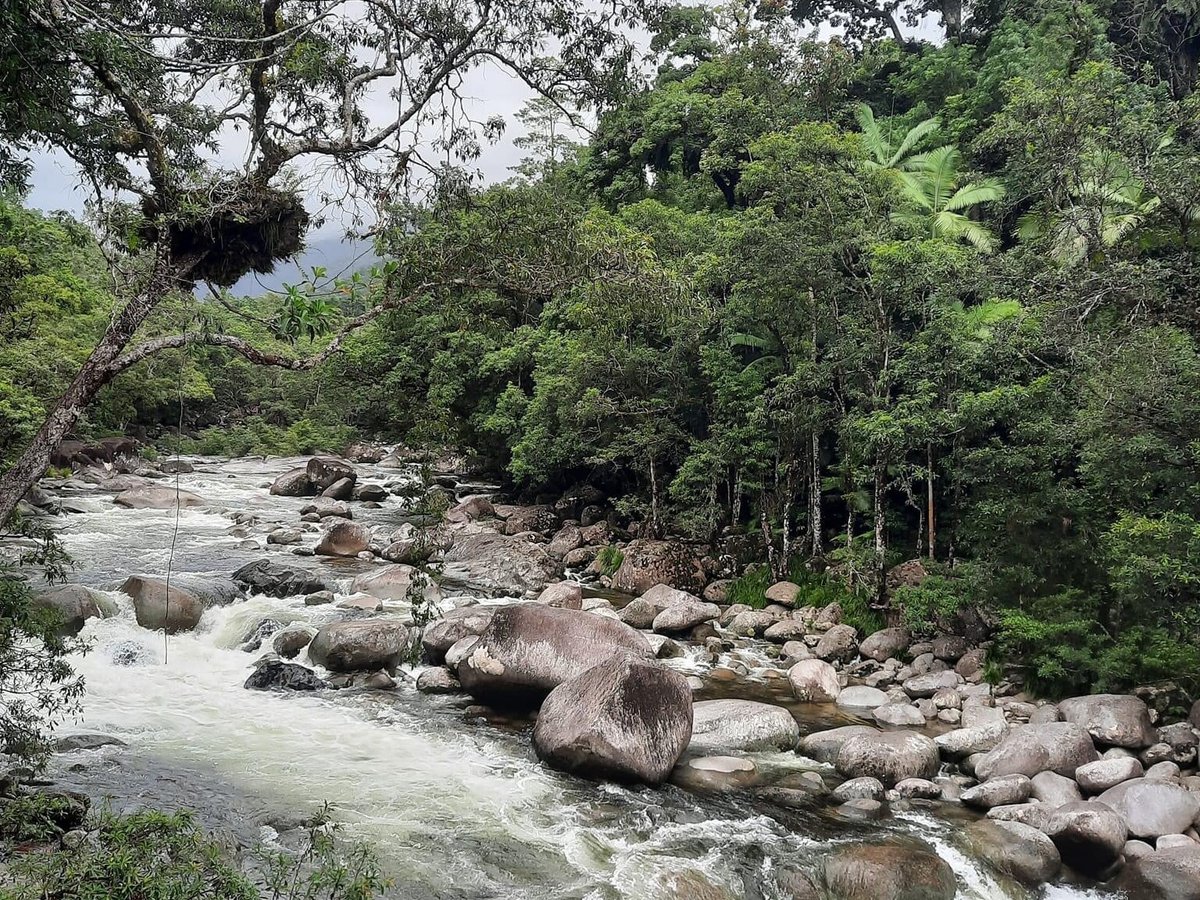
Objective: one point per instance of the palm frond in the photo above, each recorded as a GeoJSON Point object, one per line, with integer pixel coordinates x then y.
{"type": "Point", "coordinates": [956, 225]}
{"type": "Point", "coordinates": [986, 190]}
{"type": "Point", "coordinates": [914, 136]}
{"type": "Point", "coordinates": [877, 145]}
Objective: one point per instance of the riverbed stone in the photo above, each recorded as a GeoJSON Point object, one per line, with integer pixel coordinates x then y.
{"type": "Point", "coordinates": [1054, 789]}
{"type": "Point", "coordinates": [923, 686]}
{"type": "Point", "coordinates": [1118, 720]}
{"type": "Point", "coordinates": [498, 565]}
{"type": "Point", "coordinates": [918, 789]}
{"type": "Point", "coordinates": [900, 715]}
{"type": "Point", "coordinates": [563, 594]}
{"type": "Point", "coordinates": [275, 675]}
{"type": "Point", "coordinates": [784, 592]}
{"type": "Point", "coordinates": [360, 645]}
{"type": "Point", "coordinates": [838, 644]}
{"type": "Point", "coordinates": [437, 680]}
{"type": "Point", "coordinates": [741, 726]}
{"type": "Point", "coordinates": [888, 872]}
{"type": "Point", "coordinates": [527, 650]}
{"type": "Point", "coordinates": [293, 483]}
{"type": "Point", "coordinates": [1170, 874]}
{"type": "Point", "coordinates": [860, 696]}
{"type": "Point", "coordinates": [1153, 808]}
{"type": "Point", "coordinates": [394, 582]}
{"type": "Point", "coordinates": [455, 625]}
{"type": "Point", "coordinates": [885, 644]}
{"type": "Point", "coordinates": [890, 756]}
{"type": "Point", "coordinates": [1089, 835]}
{"type": "Point", "coordinates": [1097, 777]}
{"type": "Point", "coordinates": [342, 489]}
{"type": "Point", "coordinates": [684, 614]}
{"type": "Point", "coordinates": [824, 746]}
{"type": "Point", "coordinates": [325, 471]}
{"type": "Point", "coordinates": [627, 719]}
{"type": "Point", "coordinates": [74, 604]}
{"type": "Point", "coordinates": [752, 623]}
{"type": "Point", "coordinates": [1060, 747]}
{"type": "Point", "coordinates": [714, 773]}
{"type": "Point", "coordinates": [344, 539]}
{"type": "Point", "coordinates": [650, 562]}
{"type": "Point", "coordinates": [814, 681]}
{"type": "Point", "coordinates": [1016, 850]}
{"type": "Point", "coordinates": [858, 789]}
{"type": "Point", "coordinates": [289, 641]}
{"type": "Point", "coordinates": [1002, 791]}
{"type": "Point", "coordinates": [962, 742]}
{"type": "Point", "coordinates": [180, 608]}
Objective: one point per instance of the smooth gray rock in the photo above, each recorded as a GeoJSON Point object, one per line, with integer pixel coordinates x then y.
{"type": "Point", "coordinates": [889, 756]}
{"type": "Point", "coordinates": [885, 644]}
{"type": "Point", "coordinates": [888, 872]}
{"type": "Point", "coordinates": [1097, 777]}
{"type": "Point", "coordinates": [920, 686]}
{"type": "Point", "coordinates": [360, 645]}
{"type": "Point", "coordinates": [860, 696]}
{"type": "Point", "coordinates": [899, 715]}
{"type": "Point", "coordinates": [1172, 874]}
{"type": "Point", "coordinates": [1153, 808]}
{"type": "Point", "coordinates": [1054, 790]}
{"type": "Point", "coordinates": [442, 634]}
{"type": "Point", "coordinates": [1016, 850]}
{"type": "Point", "coordinates": [1089, 835]}
{"type": "Point", "coordinates": [1060, 747]}
{"type": "Point", "coordinates": [824, 746]}
{"type": "Point", "coordinates": [733, 726]}
{"type": "Point", "coordinates": [814, 681]}
{"type": "Point", "coordinates": [1118, 720]}
{"type": "Point", "coordinates": [1003, 791]}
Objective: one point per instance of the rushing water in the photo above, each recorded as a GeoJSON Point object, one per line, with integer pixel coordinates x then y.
{"type": "Point", "coordinates": [456, 808]}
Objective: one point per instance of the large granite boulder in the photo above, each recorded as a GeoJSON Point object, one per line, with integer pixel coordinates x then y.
{"type": "Point", "coordinates": [277, 579]}
{"type": "Point", "coordinates": [627, 718]}
{"type": "Point", "coordinates": [1169, 874]}
{"type": "Point", "coordinates": [1097, 777]}
{"type": "Point", "coordinates": [395, 582]}
{"type": "Point", "coordinates": [1118, 720]}
{"type": "Point", "coordinates": [74, 604]}
{"type": "Point", "coordinates": [442, 634]}
{"type": "Point", "coordinates": [180, 607]}
{"type": "Point", "coordinates": [497, 565]}
{"type": "Point", "coordinates": [1153, 808]}
{"type": "Point", "coordinates": [538, 519]}
{"type": "Point", "coordinates": [650, 562]}
{"type": "Point", "coordinates": [1016, 850]}
{"type": "Point", "coordinates": [344, 539]}
{"type": "Point", "coordinates": [325, 471]}
{"type": "Point", "coordinates": [528, 650]}
{"type": "Point", "coordinates": [273, 675]}
{"type": "Point", "coordinates": [684, 614]}
{"type": "Point", "coordinates": [888, 872]}
{"type": "Point", "coordinates": [838, 644]}
{"type": "Point", "coordinates": [814, 681]}
{"type": "Point", "coordinates": [1060, 747]}
{"type": "Point", "coordinates": [1089, 835]}
{"type": "Point", "coordinates": [360, 645]}
{"type": "Point", "coordinates": [824, 746]}
{"type": "Point", "coordinates": [884, 644]}
{"type": "Point", "coordinates": [293, 483]}
{"type": "Point", "coordinates": [890, 756]}
{"type": "Point", "coordinates": [741, 726]}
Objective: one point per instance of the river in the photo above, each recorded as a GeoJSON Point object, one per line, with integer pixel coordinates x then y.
{"type": "Point", "coordinates": [455, 808]}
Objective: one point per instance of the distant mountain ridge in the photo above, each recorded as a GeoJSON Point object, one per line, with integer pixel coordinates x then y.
{"type": "Point", "coordinates": [339, 256]}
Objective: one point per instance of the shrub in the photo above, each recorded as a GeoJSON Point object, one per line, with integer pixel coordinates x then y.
{"type": "Point", "coordinates": [749, 589]}
{"type": "Point", "coordinates": [934, 600]}
{"type": "Point", "coordinates": [609, 559]}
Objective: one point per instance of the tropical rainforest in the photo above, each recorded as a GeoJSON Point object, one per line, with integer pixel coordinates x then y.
{"type": "Point", "coordinates": [859, 286]}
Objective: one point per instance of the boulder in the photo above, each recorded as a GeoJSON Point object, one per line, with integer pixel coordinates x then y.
{"type": "Point", "coordinates": [74, 604]}
{"type": "Point", "coordinates": [528, 650]}
{"type": "Point", "coordinates": [293, 483]}
{"type": "Point", "coordinates": [1169, 874]}
{"type": "Point", "coordinates": [277, 580]}
{"type": "Point", "coordinates": [962, 742]}
{"type": "Point", "coordinates": [370, 493]}
{"type": "Point", "coordinates": [858, 789]}
{"type": "Point", "coordinates": [1153, 808]}
{"type": "Point", "coordinates": [901, 715]}
{"type": "Point", "coordinates": [564, 594]}
{"type": "Point", "coordinates": [918, 789]}
{"type": "Point", "coordinates": [627, 719]}
{"type": "Point", "coordinates": [360, 645]}
{"type": "Point", "coordinates": [741, 726]}
{"type": "Point", "coordinates": [922, 686]}
{"type": "Point", "coordinates": [538, 519]}
{"type": "Point", "coordinates": [650, 562]}
{"type": "Point", "coordinates": [1016, 850]}
{"type": "Point", "coordinates": [342, 489]}
{"type": "Point", "coordinates": [442, 634]}
{"type": "Point", "coordinates": [180, 608]}
{"type": "Point", "coordinates": [888, 872]}
{"type": "Point", "coordinates": [1118, 720]}
{"type": "Point", "coordinates": [471, 509]}
{"type": "Point", "coordinates": [814, 681]}
{"type": "Point", "coordinates": [884, 644]}
{"type": "Point", "coordinates": [1060, 747]}
{"type": "Point", "coordinates": [273, 675]}
{"type": "Point", "coordinates": [438, 681]}
{"type": "Point", "coordinates": [325, 508]}
{"type": "Point", "coordinates": [684, 615]}
{"type": "Point", "coordinates": [714, 773]}
{"type": "Point", "coordinates": [639, 613]}
{"type": "Point", "coordinates": [1054, 790]}
{"type": "Point", "coordinates": [344, 539]}
{"type": "Point", "coordinates": [890, 756]}
{"type": "Point", "coordinates": [394, 582]}
{"type": "Point", "coordinates": [838, 644]}
{"type": "Point", "coordinates": [752, 623]}
{"type": "Point", "coordinates": [1097, 777]}
{"type": "Point", "coordinates": [497, 565]}
{"type": "Point", "coordinates": [824, 746]}
{"type": "Point", "coordinates": [325, 471]}
{"type": "Point", "coordinates": [566, 539]}
{"type": "Point", "coordinates": [1002, 791]}
{"type": "Point", "coordinates": [950, 647]}
{"type": "Point", "coordinates": [289, 641]}
{"type": "Point", "coordinates": [784, 592]}
{"type": "Point", "coordinates": [861, 697]}
{"type": "Point", "coordinates": [1089, 836]}
{"type": "Point", "coordinates": [155, 496]}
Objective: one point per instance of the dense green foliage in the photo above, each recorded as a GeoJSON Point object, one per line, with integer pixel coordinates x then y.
{"type": "Point", "coordinates": [861, 300]}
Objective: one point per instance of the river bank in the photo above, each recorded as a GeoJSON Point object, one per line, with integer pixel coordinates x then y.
{"type": "Point", "coordinates": [452, 792]}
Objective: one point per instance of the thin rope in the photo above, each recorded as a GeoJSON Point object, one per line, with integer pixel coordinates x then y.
{"type": "Point", "coordinates": [175, 531]}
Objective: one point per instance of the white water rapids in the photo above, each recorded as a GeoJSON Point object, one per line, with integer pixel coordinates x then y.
{"type": "Point", "coordinates": [454, 808]}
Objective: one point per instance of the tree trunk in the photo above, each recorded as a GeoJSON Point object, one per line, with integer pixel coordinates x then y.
{"type": "Point", "coordinates": [880, 534]}
{"type": "Point", "coordinates": [814, 498]}
{"type": "Point", "coordinates": [165, 277]}
{"type": "Point", "coordinates": [786, 521]}
{"type": "Point", "coordinates": [929, 516]}
{"type": "Point", "coordinates": [654, 522]}
{"type": "Point", "coordinates": [764, 523]}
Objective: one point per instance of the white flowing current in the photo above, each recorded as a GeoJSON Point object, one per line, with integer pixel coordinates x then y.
{"type": "Point", "coordinates": [454, 808]}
